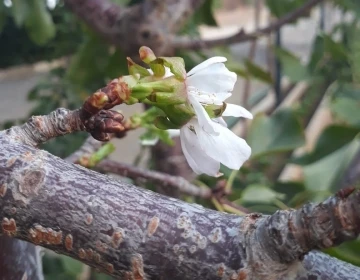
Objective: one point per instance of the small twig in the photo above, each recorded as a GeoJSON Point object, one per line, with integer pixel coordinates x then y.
{"type": "Point", "coordinates": [241, 36]}
{"type": "Point", "coordinates": [94, 117]}
{"type": "Point", "coordinates": [132, 172]}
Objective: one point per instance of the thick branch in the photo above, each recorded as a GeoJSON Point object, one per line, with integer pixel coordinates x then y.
{"type": "Point", "coordinates": [132, 233]}
{"type": "Point", "coordinates": [241, 36]}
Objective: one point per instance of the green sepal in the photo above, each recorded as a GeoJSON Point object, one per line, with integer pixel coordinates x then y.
{"type": "Point", "coordinates": [215, 111]}
{"type": "Point", "coordinates": [158, 69]}
{"type": "Point", "coordinates": [166, 98]}
{"type": "Point", "coordinates": [178, 114]}
{"type": "Point", "coordinates": [164, 123]}
{"type": "Point", "coordinates": [136, 68]}
{"type": "Point", "coordinates": [176, 65]}
{"type": "Point", "coordinates": [131, 100]}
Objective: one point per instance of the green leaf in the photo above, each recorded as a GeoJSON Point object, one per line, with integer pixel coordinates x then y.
{"type": "Point", "coordinates": [337, 50]}
{"type": "Point", "coordinates": [317, 54]}
{"type": "Point", "coordinates": [117, 65]}
{"type": "Point", "coordinates": [205, 14]}
{"type": "Point", "coordinates": [21, 10]}
{"type": "Point", "coordinates": [257, 193]}
{"type": "Point", "coordinates": [331, 139]}
{"type": "Point", "coordinates": [291, 65]}
{"type": "Point", "coordinates": [3, 15]}
{"type": "Point", "coordinates": [323, 175]}
{"type": "Point", "coordinates": [71, 266]}
{"type": "Point", "coordinates": [257, 72]}
{"type": "Point", "coordinates": [348, 252]}
{"type": "Point", "coordinates": [39, 23]}
{"type": "Point", "coordinates": [346, 110]}
{"type": "Point", "coordinates": [280, 132]}
{"type": "Point", "coordinates": [348, 5]}
{"type": "Point", "coordinates": [347, 91]}
{"type": "Point", "coordinates": [89, 64]}
{"type": "Point", "coordinates": [281, 8]}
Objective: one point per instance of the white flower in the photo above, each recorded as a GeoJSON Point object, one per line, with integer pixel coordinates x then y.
{"type": "Point", "coordinates": [205, 151]}
{"type": "Point", "coordinates": [211, 82]}
{"type": "Point", "coordinates": [208, 142]}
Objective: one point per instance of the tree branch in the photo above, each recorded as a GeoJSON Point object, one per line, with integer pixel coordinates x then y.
{"type": "Point", "coordinates": [133, 233]}
{"type": "Point", "coordinates": [90, 117]}
{"type": "Point", "coordinates": [150, 23]}
{"type": "Point", "coordinates": [136, 173]}
{"type": "Point", "coordinates": [241, 36]}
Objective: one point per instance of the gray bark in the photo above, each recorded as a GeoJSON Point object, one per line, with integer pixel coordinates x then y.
{"type": "Point", "coordinates": [132, 233]}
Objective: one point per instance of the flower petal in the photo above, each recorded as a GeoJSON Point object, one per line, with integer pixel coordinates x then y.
{"type": "Point", "coordinates": [206, 63]}
{"type": "Point", "coordinates": [195, 156]}
{"type": "Point", "coordinates": [220, 120]}
{"type": "Point", "coordinates": [208, 98]}
{"type": "Point", "coordinates": [203, 117]}
{"type": "Point", "coordinates": [227, 147]}
{"type": "Point", "coordinates": [236, 111]}
{"type": "Point", "coordinates": [216, 78]}
{"type": "Point", "coordinates": [173, 132]}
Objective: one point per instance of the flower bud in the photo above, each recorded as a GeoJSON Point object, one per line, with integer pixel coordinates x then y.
{"type": "Point", "coordinates": [146, 54]}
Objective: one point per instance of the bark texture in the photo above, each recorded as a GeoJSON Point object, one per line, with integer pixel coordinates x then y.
{"type": "Point", "coordinates": [132, 233]}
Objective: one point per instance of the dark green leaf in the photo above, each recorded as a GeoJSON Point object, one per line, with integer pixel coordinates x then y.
{"type": "Point", "coordinates": [71, 266]}
{"type": "Point", "coordinates": [21, 10]}
{"type": "Point", "coordinates": [280, 8]}
{"type": "Point", "coordinates": [322, 176]}
{"type": "Point", "coordinates": [117, 65]}
{"type": "Point", "coordinates": [291, 65]}
{"type": "Point", "coordinates": [257, 72]}
{"type": "Point", "coordinates": [259, 194]}
{"type": "Point", "coordinates": [347, 110]}
{"type": "Point", "coordinates": [39, 23]}
{"type": "Point", "coordinates": [279, 133]}
{"type": "Point", "coordinates": [331, 139]}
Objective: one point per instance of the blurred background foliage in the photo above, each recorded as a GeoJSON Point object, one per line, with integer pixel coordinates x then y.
{"type": "Point", "coordinates": [281, 172]}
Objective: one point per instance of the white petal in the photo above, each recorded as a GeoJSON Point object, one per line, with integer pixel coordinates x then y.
{"type": "Point", "coordinates": [236, 111]}
{"type": "Point", "coordinates": [227, 147]}
{"type": "Point", "coordinates": [206, 63]}
{"type": "Point", "coordinates": [220, 120]}
{"type": "Point", "coordinates": [203, 117]}
{"type": "Point", "coordinates": [216, 78]}
{"type": "Point", "coordinates": [173, 132]}
{"type": "Point", "coordinates": [195, 156]}
{"type": "Point", "coordinates": [208, 98]}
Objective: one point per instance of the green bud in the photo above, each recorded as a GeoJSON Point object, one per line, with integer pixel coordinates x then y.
{"type": "Point", "coordinates": [176, 65]}
{"type": "Point", "coordinates": [146, 54]}
{"type": "Point", "coordinates": [136, 68]}
{"type": "Point", "coordinates": [158, 69]}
